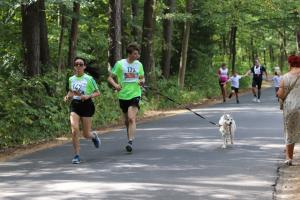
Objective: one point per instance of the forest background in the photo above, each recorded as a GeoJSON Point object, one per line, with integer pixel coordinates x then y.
{"type": "Point", "coordinates": [183, 43]}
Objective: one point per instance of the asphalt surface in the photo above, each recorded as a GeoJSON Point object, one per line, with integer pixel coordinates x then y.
{"type": "Point", "coordinates": [174, 158]}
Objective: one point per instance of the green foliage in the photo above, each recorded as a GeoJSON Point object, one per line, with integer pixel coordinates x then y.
{"type": "Point", "coordinates": [107, 107]}
{"type": "Point", "coordinates": [31, 110]}
{"type": "Point", "coordinates": [199, 86]}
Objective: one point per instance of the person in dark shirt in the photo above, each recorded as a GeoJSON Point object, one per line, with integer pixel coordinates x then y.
{"type": "Point", "coordinates": [257, 70]}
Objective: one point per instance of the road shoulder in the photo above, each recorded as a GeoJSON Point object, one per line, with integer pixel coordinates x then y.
{"type": "Point", "coordinates": [288, 183]}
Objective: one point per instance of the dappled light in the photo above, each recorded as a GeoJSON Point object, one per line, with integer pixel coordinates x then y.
{"type": "Point", "coordinates": [179, 157]}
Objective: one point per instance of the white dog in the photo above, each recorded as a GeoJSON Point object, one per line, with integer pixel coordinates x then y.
{"type": "Point", "coordinates": [227, 128]}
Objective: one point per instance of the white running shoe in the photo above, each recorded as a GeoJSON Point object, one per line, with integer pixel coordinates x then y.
{"type": "Point", "coordinates": [254, 99]}
{"type": "Point", "coordinates": [258, 100]}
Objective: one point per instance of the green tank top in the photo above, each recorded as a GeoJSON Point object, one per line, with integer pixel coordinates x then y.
{"type": "Point", "coordinates": [128, 76]}
{"type": "Point", "coordinates": [83, 85]}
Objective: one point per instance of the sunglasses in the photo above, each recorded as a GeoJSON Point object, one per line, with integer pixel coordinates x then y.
{"type": "Point", "coordinates": [79, 64]}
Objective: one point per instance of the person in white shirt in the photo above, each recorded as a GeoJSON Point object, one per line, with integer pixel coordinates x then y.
{"type": "Point", "coordinates": [276, 81]}
{"type": "Point", "coordinates": [235, 84]}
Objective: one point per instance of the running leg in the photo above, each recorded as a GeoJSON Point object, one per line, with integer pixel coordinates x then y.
{"type": "Point", "coordinates": [74, 119]}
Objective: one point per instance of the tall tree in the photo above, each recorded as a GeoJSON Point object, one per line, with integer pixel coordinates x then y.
{"type": "Point", "coordinates": [184, 48]}
{"type": "Point", "coordinates": [167, 35]}
{"type": "Point", "coordinates": [44, 46]}
{"type": "Point", "coordinates": [298, 39]}
{"type": "Point", "coordinates": [233, 47]}
{"type": "Point", "coordinates": [147, 36]}
{"type": "Point", "coordinates": [62, 9]}
{"type": "Point", "coordinates": [283, 51]}
{"type": "Point", "coordinates": [134, 14]}
{"type": "Point", "coordinates": [115, 44]}
{"type": "Point", "coordinates": [31, 38]}
{"type": "Point", "coordinates": [74, 33]}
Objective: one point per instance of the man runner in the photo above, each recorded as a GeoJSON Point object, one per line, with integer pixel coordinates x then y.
{"type": "Point", "coordinates": [129, 73]}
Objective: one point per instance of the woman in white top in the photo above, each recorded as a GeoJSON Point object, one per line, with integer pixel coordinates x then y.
{"type": "Point", "coordinates": [289, 92]}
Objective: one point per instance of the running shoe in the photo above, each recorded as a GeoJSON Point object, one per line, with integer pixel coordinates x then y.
{"type": "Point", "coordinates": [254, 99]}
{"type": "Point", "coordinates": [96, 140]}
{"type": "Point", "coordinates": [230, 95]}
{"type": "Point", "coordinates": [258, 101]}
{"type": "Point", "coordinates": [76, 160]}
{"type": "Point", "coordinates": [237, 101]}
{"type": "Point", "coordinates": [128, 147]}
{"type": "Point", "coordinates": [288, 162]}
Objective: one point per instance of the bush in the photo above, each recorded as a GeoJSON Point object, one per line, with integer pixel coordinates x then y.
{"type": "Point", "coordinates": [32, 110]}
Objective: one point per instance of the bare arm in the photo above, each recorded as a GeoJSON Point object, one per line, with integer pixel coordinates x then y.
{"type": "Point", "coordinates": [280, 93]}
{"type": "Point", "coordinates": [68, 96]}
{"type": "Point", "coordinates": [141, 80]}
{"type": "Point", "coordinates": [112, 81]}
{"type": "Point", "coordinates": [247, 73]}
{"type": "Point", "coordinates": [94, 94]}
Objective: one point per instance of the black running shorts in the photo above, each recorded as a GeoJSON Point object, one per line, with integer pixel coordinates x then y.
{"type": "Point", "coordinates": [82, 108]}
{"type": "Point", "coordinates": [124, 104]}
{"type": "Point", "coordinates": [236, 90]}
{"type": "Point", "coordinates": [257, 82]}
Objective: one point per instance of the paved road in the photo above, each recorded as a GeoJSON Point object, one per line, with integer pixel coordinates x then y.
{"type": "Point", "coordinates": [175, 158]}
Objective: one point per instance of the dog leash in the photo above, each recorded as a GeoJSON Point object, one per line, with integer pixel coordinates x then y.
{"type": "Point", "coordinates": [187, 108]}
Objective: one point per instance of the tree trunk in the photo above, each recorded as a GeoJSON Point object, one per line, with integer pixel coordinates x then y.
{"type": "Point", "coordinates": [233, 47]}
{"type": "Point", "coordinates": [184, 48]}
{"type": "Point", "coordinates": [147, 37]}
{"type": "Point", "coordinates": [271, 54]}
{"type": "Point", "coordinates": [62, 9]}
{"type": "Point", "coordinates": [264, 54]}
{"type": "Point", "coordinates": [283, 53]}
{"type": "Point", "coordinates": [31, 38]}
{"type": "Point", "coordinates": [74, 33]}
{"type": "Point", "coordinates": [44, 46]}
{"type": "Point", "coordinates": [124, 34]}
{"type": "Point", "coordinates": [167, 35]}
{"type": "Point", "coordinates": [252, 50]}
{"type": "Point", "coordinates": [298, 40]}
{"type": "Point", "coordinates": [115, 46]}
{"type": "Point", "coordinates": [281, 57]}
{"type": "Point", "coordinates": [134, 14]}
{"type": "Point", "coordinates": [224, 45]}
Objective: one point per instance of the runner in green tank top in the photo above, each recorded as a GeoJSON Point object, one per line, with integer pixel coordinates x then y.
{"type": "Point", "coordinates": [130, 76]}
{"type": "Point", "coordinates": [82, 88]}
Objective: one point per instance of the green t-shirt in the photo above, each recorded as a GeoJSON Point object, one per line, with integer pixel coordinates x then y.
{"type": "Point", "coordinates": [128, 76]}
{"type": "Point", "coordinates": [84, 85]}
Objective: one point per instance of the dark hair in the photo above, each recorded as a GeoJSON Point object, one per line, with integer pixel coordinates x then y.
{"type": "Point", "coordinates": [90, 70]}
{"type": "Point", "coordinates": [77, 58]}
{"type": "Point", "coordinates": [132, 47]}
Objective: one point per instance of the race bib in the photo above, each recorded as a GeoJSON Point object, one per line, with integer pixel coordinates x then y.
{"type": "Point", "coordinates": [131, 74]}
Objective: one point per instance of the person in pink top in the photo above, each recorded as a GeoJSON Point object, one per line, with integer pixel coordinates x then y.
{"type": "Point", "coordinates": [223, 77]}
